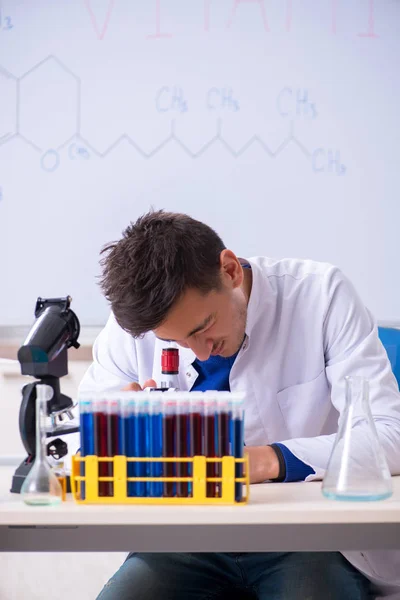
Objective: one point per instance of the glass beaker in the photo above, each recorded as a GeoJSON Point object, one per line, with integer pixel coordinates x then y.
{"type": "Point", "coordinates": [357, 468]}
{"type": "Point", "coordinates": [41, 487]}
{"type": "Point", "coordinates": [59, 471]}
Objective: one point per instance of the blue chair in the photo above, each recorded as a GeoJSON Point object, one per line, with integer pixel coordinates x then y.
{"type": "Point", "coordinates": [390, 338]}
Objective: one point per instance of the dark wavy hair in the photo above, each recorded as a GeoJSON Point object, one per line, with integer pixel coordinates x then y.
{"type": "Point", "coordinates": [159, 256]}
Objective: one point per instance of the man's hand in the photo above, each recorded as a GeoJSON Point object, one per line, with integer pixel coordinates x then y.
{"type": "Point", "coordinates": [135, 387]}
{"type": "Point", "coordinates": [264, 463]}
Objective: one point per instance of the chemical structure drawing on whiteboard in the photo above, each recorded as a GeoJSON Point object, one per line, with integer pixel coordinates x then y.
{"type": "Point", "coordinates": [291, 103]}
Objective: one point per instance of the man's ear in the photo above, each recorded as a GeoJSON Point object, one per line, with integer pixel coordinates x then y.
{"type": "Point", "coordinates": [231, 269]}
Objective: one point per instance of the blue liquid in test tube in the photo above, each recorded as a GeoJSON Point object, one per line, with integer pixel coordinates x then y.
{"type": "Point", "coordinates": [237, 440]}
{"type": "Point", "coordinates": [86, 434]}
{"type": "Point", "coordinates": [129, 421]}
{"type": "Point", "coordinates": [141, 441]}
{"type": "Point", "coordinates": [155, 443]}
{"type": "Point", "coordinates": [114, 430]}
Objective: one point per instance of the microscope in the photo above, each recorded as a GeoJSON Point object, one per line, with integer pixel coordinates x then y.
{"type": "Point", "coordinates": [44, 356]}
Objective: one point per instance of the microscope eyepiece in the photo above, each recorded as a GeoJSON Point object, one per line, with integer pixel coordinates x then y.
{"type": "Point", "coordinates": [56, 329]}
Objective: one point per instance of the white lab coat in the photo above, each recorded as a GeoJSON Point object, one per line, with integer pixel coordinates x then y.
{"type": "Point", "coordinates": [306, 330]}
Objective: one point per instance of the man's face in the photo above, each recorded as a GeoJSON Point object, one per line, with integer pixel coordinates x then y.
{"type": "Point", "coordinates": [212, 323]}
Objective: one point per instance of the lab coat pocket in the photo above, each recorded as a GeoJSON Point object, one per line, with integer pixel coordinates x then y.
{"type": "Point", "coordinates": [305, 407]}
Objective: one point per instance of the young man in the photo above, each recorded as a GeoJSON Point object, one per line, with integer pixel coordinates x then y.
{"type": "Point", "coordinates": [287, 332]}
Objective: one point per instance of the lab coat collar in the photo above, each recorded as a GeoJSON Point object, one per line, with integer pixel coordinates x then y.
{"type": "Point", "coordinates": [186, 356]}
{"type": "Point", "coordinates": [255, 295]}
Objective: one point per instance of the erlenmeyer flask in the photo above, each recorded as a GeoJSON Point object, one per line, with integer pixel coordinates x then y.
{"type": "Point", "coordinates": [357, 468]}
{"type": "Point", "coordinates": [41, 487]}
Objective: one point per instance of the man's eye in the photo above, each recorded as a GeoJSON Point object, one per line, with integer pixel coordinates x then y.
{"type": "Point", "coordinates": [206, 329]}
{"type": "Point", "coordinates": [199, 332]}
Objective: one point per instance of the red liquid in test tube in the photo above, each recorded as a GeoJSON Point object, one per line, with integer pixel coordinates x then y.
{"type": "Point", "coordinates": [196, 424]}
{"type": "Point", "coordinates": [182, 442]}
{"type": "Point", "coordinates": [169, 443]}
{"type": "Point", "coordinates": [210, 442]}
{"type": "Point", "coordinates": [224, 419]}
{"type": "Point", "coordinates": [100, 418]}
{"type": "Point", "coordinates": [113, 438]}
{"type": "Point", "coordinates": [223, 433]}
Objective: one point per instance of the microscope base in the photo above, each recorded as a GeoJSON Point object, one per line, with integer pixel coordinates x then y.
{"type": "Point", "coordinates": [21, 473]}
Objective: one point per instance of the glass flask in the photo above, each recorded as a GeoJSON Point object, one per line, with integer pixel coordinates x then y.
{"type": "Point", "coordinates": [41, 487]}
{"type": "Point", "coordinates": [357, 468]}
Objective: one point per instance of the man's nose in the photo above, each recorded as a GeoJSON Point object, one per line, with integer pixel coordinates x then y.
{"type": "Point", "coordinates": [201, 348]}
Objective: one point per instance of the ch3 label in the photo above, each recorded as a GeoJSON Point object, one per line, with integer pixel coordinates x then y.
{"type": "Point", "coordinates": [328, 161]}
{"type": "Point", "coordinates": [293, 102]}
{"type": "Point", "coordinates": [171, 99]}
{"type": "Point", "coordinates": [222, 98]}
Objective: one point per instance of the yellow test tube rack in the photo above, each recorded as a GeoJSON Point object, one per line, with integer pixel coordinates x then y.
{"type": "Point", "coordinates": [199, 480]}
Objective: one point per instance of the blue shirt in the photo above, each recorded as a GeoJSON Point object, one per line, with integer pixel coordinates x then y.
{"type": "Point", "coordinates": [213, 374]}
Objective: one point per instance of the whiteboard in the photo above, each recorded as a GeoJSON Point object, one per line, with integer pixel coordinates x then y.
{"type": "Point", "coordinates": [276, 122]}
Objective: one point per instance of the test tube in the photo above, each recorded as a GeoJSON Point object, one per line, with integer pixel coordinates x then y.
{"type": "Point", "coordinates": [169, 441]}
{"type": "Point", "coordinates": [224, 422]}
{"type": "Point", "coordinates": [129, 420]}
{"type": "Point", "coordinates": [86, 434]}
{"type": "Point", "coordinates": [224, 427]}
{"type": "Point", "coordinates": [101, 441]}
{"type": "Point", "coordinates": [156, 445]}
{"type": "Point", "coordinates": [114, 441]}
{"type": "Point", "coordinates": [182, 441]}
{"type": "Point", "coordinates": [141, 445]}
{"type": "Point", "coordinates": [196, 429]}
{"type": "Point", "coordinates": [196, 423]}
{"type": "Point", "coordinates": [210, 441]}
{"type": "Point", "coordinates": [237, 439]}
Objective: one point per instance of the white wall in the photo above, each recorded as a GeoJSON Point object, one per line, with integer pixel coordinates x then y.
{"type": "Point", "coordinates": [276, 122]}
